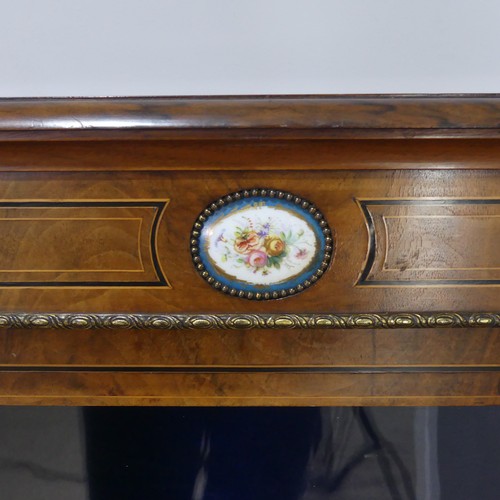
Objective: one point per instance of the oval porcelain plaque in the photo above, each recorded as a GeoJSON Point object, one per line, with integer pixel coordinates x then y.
{"type": "Point", "coordinates": [261, 244]}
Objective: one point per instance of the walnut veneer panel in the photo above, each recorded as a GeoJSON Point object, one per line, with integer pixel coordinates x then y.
{"type": "Point", "coordinates": [105, 243]}
{"type": "Point", "coordinates": [338, 194]}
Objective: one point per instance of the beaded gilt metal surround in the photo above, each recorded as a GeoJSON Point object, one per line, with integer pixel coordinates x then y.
{"type": "Point", "coordinates": [261, 244]}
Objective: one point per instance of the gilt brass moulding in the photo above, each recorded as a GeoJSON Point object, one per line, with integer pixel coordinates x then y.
{"type": "Point", "coordinates": [242, 321]}
{"type": "Point", "coordinates": [261, 244]}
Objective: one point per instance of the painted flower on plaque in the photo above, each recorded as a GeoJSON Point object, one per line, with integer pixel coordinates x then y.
{"type": "Point", "coordinates": [259, 244]}
{"type": "Point", "coordinates": [262, 245]}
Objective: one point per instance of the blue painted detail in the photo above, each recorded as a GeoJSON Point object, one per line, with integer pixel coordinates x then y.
{"type": "Point", "coordinates": [270, 202]}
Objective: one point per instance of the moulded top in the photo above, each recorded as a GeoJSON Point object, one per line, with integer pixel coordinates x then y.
{"type": "Point", "coordinates": [252, 117]}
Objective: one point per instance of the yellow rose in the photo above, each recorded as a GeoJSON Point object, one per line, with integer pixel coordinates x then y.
{"type": "Point", "coordinates": [274, 246]}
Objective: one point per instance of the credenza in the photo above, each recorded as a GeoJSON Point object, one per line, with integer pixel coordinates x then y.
{"type": "Point", "coordinates": [282, 250]}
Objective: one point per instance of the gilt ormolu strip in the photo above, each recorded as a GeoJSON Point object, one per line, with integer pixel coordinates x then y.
{"type": "Point", "coordinates": [73, 321]}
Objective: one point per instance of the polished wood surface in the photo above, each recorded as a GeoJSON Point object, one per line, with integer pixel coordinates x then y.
{"type": "Point", "coordinates": [338, 195]}
{"type": "Point", "coordinates": [98, 199]}
{"type": "Point", "coordinates": [253, 117]}
{"type": "Point", "coordinates": [249, 155]}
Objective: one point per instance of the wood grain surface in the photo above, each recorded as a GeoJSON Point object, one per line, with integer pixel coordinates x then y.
{"type": "Point", "coordinates": [252, 117]}
{"type": "Point", "coordinates": [336, 194]}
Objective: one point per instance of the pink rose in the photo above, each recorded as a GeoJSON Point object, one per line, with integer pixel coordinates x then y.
{"type": "Point", "coordinates": [257, 258]}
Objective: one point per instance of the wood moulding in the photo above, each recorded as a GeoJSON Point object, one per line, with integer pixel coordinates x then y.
{"type": "Point", "coordinates": [252, 117]}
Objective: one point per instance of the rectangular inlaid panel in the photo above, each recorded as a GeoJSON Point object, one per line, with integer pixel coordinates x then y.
{"type": "Point", "coordinates": [79, 243]}
{"type": "Point", "coordinates": [447, 241]}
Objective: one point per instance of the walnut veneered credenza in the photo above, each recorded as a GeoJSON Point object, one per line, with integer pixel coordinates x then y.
{"type": "Point", "coordinates": [323, 250]}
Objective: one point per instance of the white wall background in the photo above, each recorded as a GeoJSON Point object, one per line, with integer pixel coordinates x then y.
{"type": "Point", "coordinates": [183, 47]}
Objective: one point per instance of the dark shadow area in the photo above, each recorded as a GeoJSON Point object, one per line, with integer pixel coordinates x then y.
{"type": "Point", "coordinates": [209, 453]}
{"type": "Point", "coordinates": [469, 453]}
{"type": "Point", "coordinates": [131, 453]}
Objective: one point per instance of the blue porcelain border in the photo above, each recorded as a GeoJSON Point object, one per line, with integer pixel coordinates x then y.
{"type": "Point", "coordinates": [239, 204]}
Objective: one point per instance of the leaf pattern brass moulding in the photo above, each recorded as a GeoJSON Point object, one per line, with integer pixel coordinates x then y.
{"type": "Point", "coordinates": [222, 202]}
{"type": "Point", "coordinates": [74, 321]}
